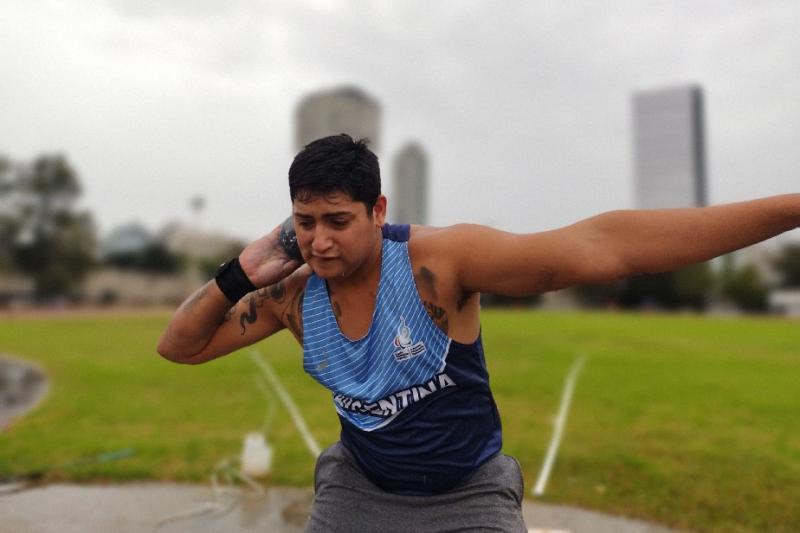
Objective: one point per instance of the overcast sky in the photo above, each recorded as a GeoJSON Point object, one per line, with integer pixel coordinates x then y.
{"type": "Point", "coordinates": [524, 107]}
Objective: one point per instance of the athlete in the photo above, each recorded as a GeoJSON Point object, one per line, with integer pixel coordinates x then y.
{"type": "Point", "coordinates": [389, 320]}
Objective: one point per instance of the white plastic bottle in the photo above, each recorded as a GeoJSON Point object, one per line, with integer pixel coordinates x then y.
{"type": "Point", "coordinates": [256, 455]}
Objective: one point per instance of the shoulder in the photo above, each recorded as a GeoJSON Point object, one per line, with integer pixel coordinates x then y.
{"type": "Point", "coordinates": [436, 255]}
{"type": "Point", "coordinates": [445, 242]}
{"type": "Point", "coordinates": [441, 250]}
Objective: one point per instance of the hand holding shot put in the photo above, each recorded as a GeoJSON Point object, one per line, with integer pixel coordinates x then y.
{"type": "Point", "coordinates": [267, 261]}
{"type": "Point", "coordinates": [389, 320]}
{"type": "Point", "coordinates": [196, 325]}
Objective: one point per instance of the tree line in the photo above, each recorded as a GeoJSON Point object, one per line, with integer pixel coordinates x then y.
{"type": "Point", "coordinates": [47, 237]}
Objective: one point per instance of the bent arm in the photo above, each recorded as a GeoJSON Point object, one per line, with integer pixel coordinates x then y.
{"type": "Point", "coordinates": [194, 323]}
{"type": "Point", "coordinates": [208, 325]}
{"type": "Point", "coordinates": [614, 245]}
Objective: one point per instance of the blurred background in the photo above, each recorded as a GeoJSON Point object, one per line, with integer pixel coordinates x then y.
{"type": "Point", "coordinates": [143, 142]}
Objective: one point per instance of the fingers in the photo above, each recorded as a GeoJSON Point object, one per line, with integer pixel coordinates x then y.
{"type": "Point", "coordinates": [290, 266]}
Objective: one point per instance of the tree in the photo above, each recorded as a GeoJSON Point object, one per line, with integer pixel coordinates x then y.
{"type": "Point", "coordinates": [787, 264]}
{"type": "Point", "coordinates": [599, 294]}
{"type": "Point", "coordinates": [693, 284]}
{"type": "Point", "coordinates": [685, 287]}
{"type": "Point", "coordinates": [153, 258]}
{"type": "Point", "coordinates": [8, 223]}
{"type": "Point", "coordinates": [745, 288]}
{"type": "Point", "coordinates": [53, 243]}
{"type": "Point", "coordinates": [5, 176]}
{"type": "Point", "coordinates": [649, 290]}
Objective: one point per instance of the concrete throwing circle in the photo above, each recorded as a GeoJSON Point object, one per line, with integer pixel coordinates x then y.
{"type": "Point", "coordinates": [22, 385]}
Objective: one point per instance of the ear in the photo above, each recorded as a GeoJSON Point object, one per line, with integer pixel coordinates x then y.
{"type": "Point", "coordinates": [379, 211]}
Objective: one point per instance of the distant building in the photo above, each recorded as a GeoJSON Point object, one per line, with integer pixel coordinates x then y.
{"type": "Point", "coordinates": [669, 148]}
{"type": "Point", "coordinates": [409, 200]}
{"type": "Point", "coordinates": [342, 110]}
{"type": "Point", "coordinates": [16, 289]}
{"type": "Point", "coordinates": [126, 287]}
{"type": "Point", "coordinates": [131, 238]}
{"type": "Point", "coordinates": [785, 302]}
{"type": "Point", "coordinates": [180, 239]}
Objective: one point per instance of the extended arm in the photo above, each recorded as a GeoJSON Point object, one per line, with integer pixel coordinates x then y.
{"type": "Point", "coordinates": [614, 245]}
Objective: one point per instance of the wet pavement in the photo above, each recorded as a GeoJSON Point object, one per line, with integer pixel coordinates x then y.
{"type": "Point", "coordinates": [164, 507]}
{"type": "Point", "coordinates": [21, 387]}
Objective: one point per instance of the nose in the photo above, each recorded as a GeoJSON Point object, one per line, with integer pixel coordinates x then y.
{"type": "Point", "coordinates": [321, 241]}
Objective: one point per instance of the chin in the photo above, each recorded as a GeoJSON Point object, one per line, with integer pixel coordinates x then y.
{"type": "Point", "coordinates": [328, 275]}
{"type": "Point", "coordinates": [327, 270]}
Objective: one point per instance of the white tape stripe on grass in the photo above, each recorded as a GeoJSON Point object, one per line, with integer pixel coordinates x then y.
{"type": "Point", "coordinates": [312, 445]}
{"type": "Point", "coordinates": [566, 399]}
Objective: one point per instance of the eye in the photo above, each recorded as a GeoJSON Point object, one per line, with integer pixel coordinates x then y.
{"type": "Point", "coordinates": [339, 223]}
{"type": "Point", "coordinates": [306, 224]}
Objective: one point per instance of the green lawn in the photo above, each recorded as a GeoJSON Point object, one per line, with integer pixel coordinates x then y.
{"type": "Point", "coordinates": [689, 421]}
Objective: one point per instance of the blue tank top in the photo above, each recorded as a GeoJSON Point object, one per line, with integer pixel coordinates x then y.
{"type": "Point", "coordinates": [414, 405]}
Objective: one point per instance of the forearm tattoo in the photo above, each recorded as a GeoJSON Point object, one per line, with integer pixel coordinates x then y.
{"type": "Point", "coordinates": [277, 292]}
{"type": "Point", "coordinates": [256, 300]}
{"type": "Point", "coordinates": [250, 315]}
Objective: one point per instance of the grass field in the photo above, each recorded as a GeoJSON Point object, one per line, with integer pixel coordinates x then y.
{"type": "Point", "coordinates": [689, 421]}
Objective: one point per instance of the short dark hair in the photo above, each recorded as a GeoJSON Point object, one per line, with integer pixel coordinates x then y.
{"type": "Point", "coordinates": [333, 164]}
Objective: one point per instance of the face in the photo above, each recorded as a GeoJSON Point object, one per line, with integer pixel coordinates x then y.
{"type": "Point", "coordinates": [335, 234]}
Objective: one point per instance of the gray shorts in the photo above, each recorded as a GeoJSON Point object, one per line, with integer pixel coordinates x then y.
{"type": "Point", "coordinates": [346, 501]}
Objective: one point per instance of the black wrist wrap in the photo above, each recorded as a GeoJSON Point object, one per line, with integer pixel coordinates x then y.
{"type": "Point", "coordinates": [232, 280]}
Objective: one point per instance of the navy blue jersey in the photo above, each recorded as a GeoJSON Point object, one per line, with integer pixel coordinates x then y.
{"type": "Point", "coordinates": [415, 406]}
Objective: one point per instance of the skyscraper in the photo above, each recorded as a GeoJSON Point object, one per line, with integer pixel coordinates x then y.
{"type": "Point", "coordinates": [409, 197]}
{"type": "Point", "coordinates": [669, 148]}
{"type": "Point", "coordinates": [350, 110]}
{"type": "Point", "coordinates": [341, 110]}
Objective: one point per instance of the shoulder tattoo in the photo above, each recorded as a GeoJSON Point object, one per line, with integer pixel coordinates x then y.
{"type": "Point", "coordinates": [428, 279]}
{"type": "Point", "coordinates": [437, 314]}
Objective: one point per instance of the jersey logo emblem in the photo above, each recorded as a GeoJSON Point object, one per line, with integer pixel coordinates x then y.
{"type": "Point", "coordinates": [406, 347]}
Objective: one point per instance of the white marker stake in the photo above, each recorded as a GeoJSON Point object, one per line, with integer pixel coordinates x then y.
{"type": "Point", "coordinates": [312, 445]}
{"type": "Point", "coordinates": [566, 399]}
